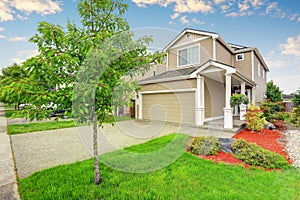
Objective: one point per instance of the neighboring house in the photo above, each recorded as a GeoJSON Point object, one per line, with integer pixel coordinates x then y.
{"type": "Point", "coordinates": [200, 74]}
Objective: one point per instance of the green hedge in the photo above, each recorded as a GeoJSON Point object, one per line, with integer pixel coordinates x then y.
{"type": "Point", "coordinates": [256, 155]}
{"type": "Point", "coordinates": [209, 145]}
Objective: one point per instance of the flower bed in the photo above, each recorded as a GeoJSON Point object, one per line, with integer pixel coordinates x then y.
{"type": "Point", "coordinates": [268, 139]}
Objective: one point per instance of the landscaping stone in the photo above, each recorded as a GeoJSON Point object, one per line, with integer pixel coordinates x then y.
{"type": "Point", "coordinates": [226, 144]}
{"type": "Point", "coordinates": [292, 144]}
{"type": "Point", "coordinates": [270, 126]}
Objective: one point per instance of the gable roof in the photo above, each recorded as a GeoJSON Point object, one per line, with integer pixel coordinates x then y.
{"type": "Point", "coordinates": [233, 48]}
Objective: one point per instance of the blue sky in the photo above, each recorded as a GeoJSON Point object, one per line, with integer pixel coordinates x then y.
{"type": "Point", "coordinates": [272, 26]}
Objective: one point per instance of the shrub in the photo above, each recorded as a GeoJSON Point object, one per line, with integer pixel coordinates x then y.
{"type": "Point", "coordinates": [272, 111]}
{"type": "Point", "coordinates": [279, 124]}
{"type": "Point", "coordinates": [254, 119]}
{"type": "Point", "coordinates": [209, 145]}
{"type": "Point", "coordinates": [295, 116]}
{"type": "Point", "coordinates": [255, 155]}
{"type": "Point", "coordinates": [238, 99]}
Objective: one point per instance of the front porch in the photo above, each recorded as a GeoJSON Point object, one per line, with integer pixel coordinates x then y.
{"type": "Point", "coordinates": [233, 82]}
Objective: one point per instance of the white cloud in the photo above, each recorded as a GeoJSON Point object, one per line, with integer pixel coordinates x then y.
{"type": "Point", "coordinates": [175, 15]}
{"type": "Point", "coordinates": [271, 7]}
{"type": "Point", "coordinates": [180, 6]}
{"type": "Point", "coordinates": [219, 1]}
{"type": "Point", "coordinates": [291, 47]}
{"type": "Point", "coordinates": [243, 7]}
{"type": "Point", "coordinates": [23, 55]}
{"type": "Point", "coordinates": [1, 29]}
{"type": "Point", "coordinates": [17, 39]}
{"type": "Point", "coordinates": [8, 8]}
{"type": "Point", "coordinates": [289, 83]}
{"type": "Point", "coordinates": [197, 22]}
{"type": "Point", "coordinates": [184, 20]}
{"type": "Point", "coordinates": [257, 3]}
{"type": "Point", "coordinates": [2, 37]}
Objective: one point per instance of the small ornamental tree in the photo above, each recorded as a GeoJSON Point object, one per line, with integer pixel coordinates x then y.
{"type": "Point", "coordinates": [273, 107]}
{"type": "Point", "coordinates": [254, 119]}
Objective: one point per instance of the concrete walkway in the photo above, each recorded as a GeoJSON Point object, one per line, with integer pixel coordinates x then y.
{"type": "Point", "coordinates": [8, 182]}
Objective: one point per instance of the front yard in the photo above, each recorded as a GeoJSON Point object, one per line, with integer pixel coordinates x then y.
{"type": "Point", "coordinates": [187, 178]}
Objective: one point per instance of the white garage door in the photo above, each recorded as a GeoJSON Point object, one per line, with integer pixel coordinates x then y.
{"type": "Point", "coordinates": [174, 107]}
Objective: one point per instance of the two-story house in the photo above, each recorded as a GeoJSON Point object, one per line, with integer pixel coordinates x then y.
{"type": "Point", "coordinates": [200, 74]}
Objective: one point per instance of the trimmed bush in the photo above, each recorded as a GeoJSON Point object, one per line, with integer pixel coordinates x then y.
{"type": "Point", "coordinates": [209, 145]}
{"type": "Point", "coordinates": [254, 119]}
{"type": "Point", "coordinates": [256, 155]}
{"type": "Point", "coordinates": [295, 116]}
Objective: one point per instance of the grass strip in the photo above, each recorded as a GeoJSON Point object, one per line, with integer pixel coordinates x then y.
{"type": "Point", "coordinates": [186, 178]}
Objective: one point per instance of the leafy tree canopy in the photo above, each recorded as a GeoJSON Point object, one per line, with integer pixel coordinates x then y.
{"type": "Point", "coordinates": [273, 92]}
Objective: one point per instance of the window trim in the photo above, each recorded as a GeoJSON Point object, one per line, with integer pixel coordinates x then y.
{"type": "Point", "coordinates": [258, 69]}
{"type": "Point", "coordinates": [189, 47]}
{"type": "Point", "coordinates": [237, 55]}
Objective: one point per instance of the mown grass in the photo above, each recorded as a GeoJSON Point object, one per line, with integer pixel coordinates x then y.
{"type": "Point", "coordinates": [13, 129]}
{"type": "Point", "coordinates": [186, 178]}
{"type": "Point", "coordinates": [10, 111]}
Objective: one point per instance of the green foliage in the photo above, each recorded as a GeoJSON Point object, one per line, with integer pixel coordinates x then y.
{"type": "Point", "coordinates": [254, 119]}
{"type": "Point", "coordinates": [296, 99]}
{"type": "Point", "coordinates": [272, 111]}
{"type": "Point", "coordinates": [202, 145]}
{"type": "Point", "coordinates": [295, 116]}
{"type": "Point", "coordinates": [273, 93]}
{"type": "Point", "coordinates": [205, 180]}
{"type": "Point", "coordinates": [238, 99]}
{"type": "Point", "coordinates": [255, 155]}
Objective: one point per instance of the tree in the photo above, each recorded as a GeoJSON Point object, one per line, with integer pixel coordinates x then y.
{"type": "Point", "coordinates": [272, 107]}
{"type": "Point", "coordinates": [83, 65]}
{"type": "Point", "coordinates": [11, 75]}
{"type": "Point", "coordinates": [295, 114]}
{"type": "Point", "coordinates": [273, 93]}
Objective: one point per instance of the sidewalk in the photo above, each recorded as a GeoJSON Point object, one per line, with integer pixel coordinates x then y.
{"type": "Point", "coordinates": [8, 182]}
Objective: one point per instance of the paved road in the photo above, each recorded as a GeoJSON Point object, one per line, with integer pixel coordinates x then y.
{"type": "Point", "coordinates": [40, 150]}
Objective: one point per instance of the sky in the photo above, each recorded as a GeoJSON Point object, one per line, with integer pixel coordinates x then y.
{"type": "Point", "coordinates": [271, 26]}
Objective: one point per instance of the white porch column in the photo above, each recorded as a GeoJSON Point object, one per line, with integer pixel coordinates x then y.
{"type": "Point", "coordinates": [253, 94]}
{"type": "Point", "coordinates": [243, 106]}
{"type": "Point", "coordinates": [140, 106]}
{"type": "Point", "coordinates": [228, 116]}
{"type": "Point", "coordinates": [200, 101]}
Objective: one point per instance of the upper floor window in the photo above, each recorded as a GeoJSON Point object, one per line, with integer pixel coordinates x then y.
{"type": "Point", "coordinates": [263, 73]}
{"type": "Point", "coordinates": [258, 69]}
{"type": "Point", "coordinates": [240, 57]}
{"type": "Point", "coordinates": [188, 56]}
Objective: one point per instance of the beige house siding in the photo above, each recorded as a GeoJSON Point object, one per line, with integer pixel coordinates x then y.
{"type": "Point", "coordinates": [260, 80]}
{"type": "Point", "coordinates": [214, 98]}
{"type": "Point", "coordinates": [172, 85]}
{"type": "Point", "coordinates": [173, 107]}
{"type": "Point", "coordinates": [223, 55]}
{"type": "Point", "coordinates": [244, 66]}
{"type": "Point", "coordinates": [206, 53]}
{"type": "Point", "coordinates": [188, 38]}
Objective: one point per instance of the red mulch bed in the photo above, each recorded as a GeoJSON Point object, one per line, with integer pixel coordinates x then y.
{"type": "Point", "coordinates": [266, 138]}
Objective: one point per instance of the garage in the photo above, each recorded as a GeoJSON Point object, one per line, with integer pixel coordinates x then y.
{"type": "Point", "coordinates": [173, 107]}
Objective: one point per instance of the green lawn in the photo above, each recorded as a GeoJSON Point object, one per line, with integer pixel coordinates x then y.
{"type": "Point", "coordinates": [13, 129]}
{"type": "Point", "coordinates": [187, 178]}
{"type": "Point", "coordinates": [10, 111]}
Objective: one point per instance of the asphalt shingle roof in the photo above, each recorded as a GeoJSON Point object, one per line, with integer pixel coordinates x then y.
{"type": "Point", "coordinates": [170, 74]}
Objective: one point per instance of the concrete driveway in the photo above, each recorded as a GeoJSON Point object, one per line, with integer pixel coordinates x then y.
{"type": "Point", "coordinates": [41, 150]}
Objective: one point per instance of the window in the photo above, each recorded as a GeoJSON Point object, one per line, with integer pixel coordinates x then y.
{"type": "Point", "coordinates": [258, 69]}
{"type": "Point", "coordinates": [189, 56]}
{"type": "Point", "coordinates": [240, 57]}
{"type": "Point", "coordinates": [263, 73]}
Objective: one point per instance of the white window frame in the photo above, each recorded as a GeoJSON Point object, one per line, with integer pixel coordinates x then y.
{"type": "Point", "coordinates": [198, 45]}
{"type": "Point", "coordinates": [258, 69]}
{"type": "Point", "coordinates": [263, 73]}
{"type": "Point", "coordinates": [240, 54]}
